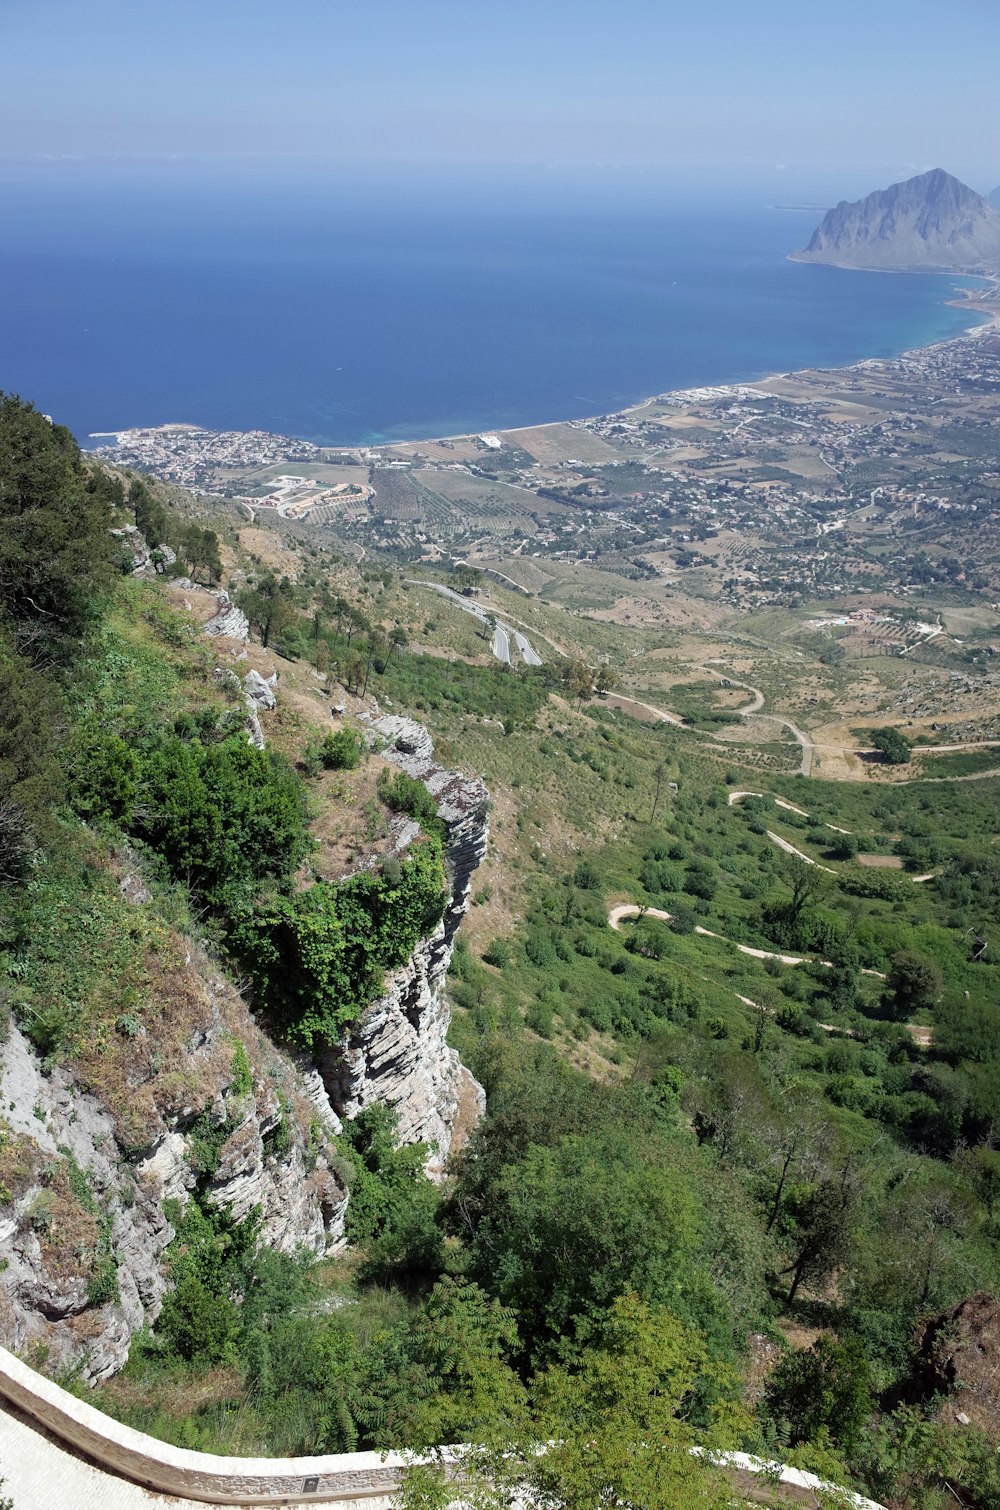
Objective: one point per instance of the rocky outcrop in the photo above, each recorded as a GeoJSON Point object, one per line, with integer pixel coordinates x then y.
{"type": "Point", "coordinates": [137, 557]}
{"type": "Point", "coordinates": [228, 621]}
{"type": "Point", "coordinates": [93, 1151]}
{"type": "Point", "coordinates": [932, 222]}
{"type": "Point", "coordinates": [398, 1052]}
{"type": "Point", "coordinates": [84, 1220]}
{"type": "Point", "coordinates": [260, 691]}
{"type": "Point", "coordinates": [954, 1368]}
{"type": "Point", "coordinates": [258, 694]}
{"type": "Point", "coordinates": [133, 551]}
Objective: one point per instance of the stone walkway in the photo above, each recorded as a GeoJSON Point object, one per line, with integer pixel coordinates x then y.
{"type": "Point", "coordinates": [40, 1474]}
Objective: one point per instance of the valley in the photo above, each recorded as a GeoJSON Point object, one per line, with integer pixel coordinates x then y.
{"type": "Point", "coordinates": [593, 951]}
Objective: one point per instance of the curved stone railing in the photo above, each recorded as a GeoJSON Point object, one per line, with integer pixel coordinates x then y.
{"type": "Point", "coordinates": [157, 1465]}
{"type": "Point", "coordinates": [125, 1453]}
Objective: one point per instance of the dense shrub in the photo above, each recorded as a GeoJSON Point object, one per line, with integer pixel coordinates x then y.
{"type": "Point", "coordinates": [223, 816]}
{"type": "Point", "coordinates": [405, 795]}
{"type": "Point", "coordinates": [318, 958]}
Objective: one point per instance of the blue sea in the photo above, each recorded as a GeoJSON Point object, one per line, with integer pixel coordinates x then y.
{"type": "Point", "coordinates": [344, 313]}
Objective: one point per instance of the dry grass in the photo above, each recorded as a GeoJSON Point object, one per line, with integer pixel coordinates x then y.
{"type": "Point", "coordinates": [70, 1239]}
{"type": "Point", "coordinates": [20, 1161]}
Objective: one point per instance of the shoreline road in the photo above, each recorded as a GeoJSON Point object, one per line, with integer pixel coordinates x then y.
{"type": "Point", "coordinates": [503, 633]}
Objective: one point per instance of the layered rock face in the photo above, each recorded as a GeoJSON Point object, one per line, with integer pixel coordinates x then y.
{"type": "Point", "coordinates": [398, 1052]}
{"type": "Point", "coordinates": [89, 1165]}
{"type": "Point", "coordinates": [83, 1224]}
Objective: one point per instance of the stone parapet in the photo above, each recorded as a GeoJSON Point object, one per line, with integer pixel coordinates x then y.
{"type": "Point", "coordinates": [203, 1476]}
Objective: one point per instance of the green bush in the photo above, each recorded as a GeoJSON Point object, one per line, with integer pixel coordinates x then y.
{"type": "Point", "coordinates": [318, 958]}
{"type": "Point", "coordinates": [393, 1205]}
{"type": "Point", "coordinates": [342, 750]}
{"type": "Point", "coordinates": [223, 816]}
{"type": "Point", "coordinates": [893, 744]}
{"type": "Point", "coordinates": [405, 795]}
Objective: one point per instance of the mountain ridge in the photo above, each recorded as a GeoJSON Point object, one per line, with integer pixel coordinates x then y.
{"type": "Point", "coordinates": [932, 222]}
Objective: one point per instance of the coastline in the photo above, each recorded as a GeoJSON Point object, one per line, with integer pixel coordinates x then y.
{"type": "Point", "coordinates": [975, 300]}
{"type": "Point", "coordinates": [976, 297]}
{"type": "Point", "coordinates": [991, 318]}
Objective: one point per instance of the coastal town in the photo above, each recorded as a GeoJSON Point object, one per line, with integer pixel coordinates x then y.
{"type": "Point", "coordinates": [797, 486]}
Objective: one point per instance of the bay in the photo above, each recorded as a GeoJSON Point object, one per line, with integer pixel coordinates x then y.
{"type": "Point", "coordinates": [374, 319]}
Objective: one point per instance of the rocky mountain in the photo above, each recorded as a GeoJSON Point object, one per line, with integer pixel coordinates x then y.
{"type": "Point", "coordinates": [994, 198]}
{"type": "Point", "coordinates": [932, 222]}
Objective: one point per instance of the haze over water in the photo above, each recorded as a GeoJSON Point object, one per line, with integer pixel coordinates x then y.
{"type": "Point", "coordinates": [344, 315]}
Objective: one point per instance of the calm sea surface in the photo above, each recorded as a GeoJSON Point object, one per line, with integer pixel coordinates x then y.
{"type": "Point", "coordinates": [379, 320]}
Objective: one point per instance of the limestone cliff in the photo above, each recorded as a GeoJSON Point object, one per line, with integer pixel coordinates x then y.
{"type": "Point", "coordinates": [193, 1093]}
{"type": "Point", "coordinates": [88, 1167]}
{"type": "Point", "coordinates": [398, 1052]}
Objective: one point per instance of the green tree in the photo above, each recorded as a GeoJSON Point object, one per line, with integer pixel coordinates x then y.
{"type": "Point", "coordinates": [619, 1428]}
{"type": "Point", "coordinates": [893, 745]}
{"type": "Point", "coordinates": [55, 547]}
{"type": "Point", "coordinates": [150, 515]}
{"type": "Point", "coordinates": [453, 1364]}
{"type": "Point", "coordinates": [30, 777]}
{"type": "Point", "coordinates": [823, 1393]}
{"type": "Point", "coordinates": [270, 606]}
{"type": "Point", "coordinates": [393, 1206]}
{"type": "Point", "coordinates": [788, 921]}
{"type": "Point", "coordinates": [820, 1217]}
{"type": "Point", "coordinates": [914, 984]}
{"type": "Point", "coordinates": [570, 1228]}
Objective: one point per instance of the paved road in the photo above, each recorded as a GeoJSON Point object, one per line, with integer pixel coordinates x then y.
{"type": "Point", "coordinates": [503, 634]}
{"type": "Point", "coordinates": [501, 645]}
{"type": "Point", "coordinates": [528, 654]}
{"type": "Point", "coordinates": [39, 1473]}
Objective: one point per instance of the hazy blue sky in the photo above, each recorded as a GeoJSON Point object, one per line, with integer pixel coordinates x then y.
{"type": "Point", "coordinates": [849, 94]}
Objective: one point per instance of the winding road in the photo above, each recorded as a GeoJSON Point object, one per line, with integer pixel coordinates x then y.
{"type": "Point", "coordinates": [503, 634]}
{"type": "Point", "coordinates": [790, 848]}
